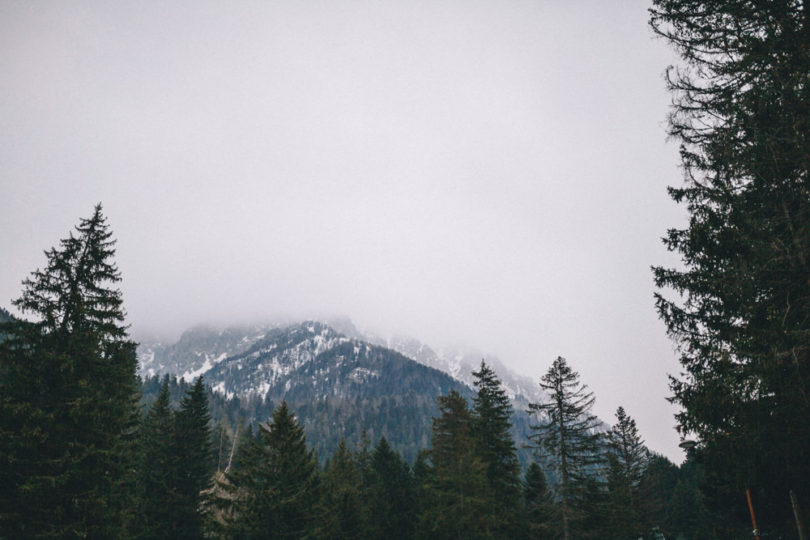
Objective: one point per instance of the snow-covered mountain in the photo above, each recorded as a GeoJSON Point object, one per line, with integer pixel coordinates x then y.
{"type": "Point", "coordinates": [339, 386]}
{"type": "Point", "coordinates": [456, 362]}
{"type": "Point", "coordinates": [197, 351]}
{"type": "Point", "coordinates": [461, 364]}
{"type": "Point", "coordinates": [338, 380]}
{"type": "Point", "coordinates": [251, 360]}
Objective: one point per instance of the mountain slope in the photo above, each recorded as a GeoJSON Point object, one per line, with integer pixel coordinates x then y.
{"type": "Point", "coordinates": [197, 350]}
{"type": "Point", "coordinates": [338, 383]}
{"type": "Point", "coordinates": [338, 386]}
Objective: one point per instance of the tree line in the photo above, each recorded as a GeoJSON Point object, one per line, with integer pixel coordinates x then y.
{"type": "Point", "coordinates": [82, 458]}
{"type": "Point", "coordinates": [738, 305]}
{"type": "Point", "coordinates": [73, 444]}
{"type": "Point", "coordinates": [467, 484]}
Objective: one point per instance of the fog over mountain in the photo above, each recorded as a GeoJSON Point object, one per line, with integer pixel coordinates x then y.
{"type": "Point", "coordinates": [338, 382]}
{"type": "Point", "coordinates": [480, 176]}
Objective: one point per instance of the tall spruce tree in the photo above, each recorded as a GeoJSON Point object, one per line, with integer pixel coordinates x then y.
{"type": "Point", "coordinates": [566, 434]}
{"type": "Point", "coordinates": [274, 490]}
{"type": "Point", "coordinates": [492, 421]}
{"type": "Point", "coordinates": [741, 314]}
{"type": "Point", "coordinates": [538, 502]}
{"type": "Point", "coordinates": [67, 396]}
{"type": "Point", "coordinates": [344, 513]}
{"type": "Point", "coordinates": [627, 461]}
{"type": "Point", "coordinates": [157, 470]}
{"type": "Point", "coordinates": [393, 504]}
{"type": "Point", "coordinates": [194, 461]}
{"type": "Point", "coordinates": [456, 498]}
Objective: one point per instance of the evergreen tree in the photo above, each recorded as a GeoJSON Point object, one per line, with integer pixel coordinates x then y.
{"type": "Point", "coordinates": [344, 514]}
{"type": "Point", "coordinates": [687, 514]}
{"type": "Point", "coordinates": [567, 435]}
{"type": "Point", "coordinates": [157, 470]}
{"type": "Point", "coordinates": [456, 503]}
{"type": "Point", "coordinates": [538, 501]}
{"type": "Point", "coordinates": [655, 489]}
{"type": "Point", "coordinates": [274, 490]}
{"type": "Point", "coordinates": [67, 396]}
{"type": "Point", "coordinates": [492, 413]}
{"type": "Point", "coordinates": [596, 522]}
{"type": "Point", "coordinates": [741, 317]}
{"type": "Point", "coordinates": [627, 459]}
{"type": "Point", "coordinates": [218, 501]}
{"type": "Point", "coordinates": [193, 455]}
{"type": "Point", "coordinates": [393, 507]}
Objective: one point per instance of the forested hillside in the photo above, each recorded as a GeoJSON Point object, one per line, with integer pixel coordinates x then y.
{"type": "Point", "coordinates": [302, 431]}
{"type": "Point", "coordinates": [402, 416]}
{"type": "Point", "coordinates": [389, 448]}
{"type": "Point", "coordinates": [338, 386]}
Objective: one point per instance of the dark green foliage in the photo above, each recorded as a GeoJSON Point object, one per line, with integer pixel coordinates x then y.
{"type": "Point", "coordinates": [157, 470]}
{"type": "Point", "coordinates": [687, 514]}
{"type": "Point", "coordinates": [492, 413]}
{"type": "Point", "coordinates": [627, 461]}
{"type": "Point", "coordinates": [193, 456]}
{"type": "Point", "coordinates": [538, 502]}
{"type": "Point", "coordinates": [455, 503]}
{"type": "Point", "coordinates": [347, 389]}
{"type": "Point", "coordinates": [176, 465]}
{"type": "Point", "coordinates": [67, 387]}
{"type": "Point", "coordinates": [5, 317]}
{"type": "Point", "coordinates": [275, 488]}
{"type": "Point", "coordinates": [226, 413]}
{"type": "Point", "coordinates": [344, 512]}
{"type": "Point", "coordinates": [392, 503]}
{"type": "Point", "coordinates": [567, 435]}
{"type": "Point", "coordinates": [403, 417]}
{"type": "Point", "coordinates": [594, 509]}
{"type": "Point", "coordinates": [655, 489]}
{"type": "Point", "coordinates": [742, 312]}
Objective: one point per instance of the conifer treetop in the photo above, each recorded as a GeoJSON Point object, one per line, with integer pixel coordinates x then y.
{"type": "Point", "coordinates": [76, 291]}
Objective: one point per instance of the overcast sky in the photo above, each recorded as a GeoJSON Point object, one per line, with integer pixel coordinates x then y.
{"type": "Point", "coordinates": [485, 174]}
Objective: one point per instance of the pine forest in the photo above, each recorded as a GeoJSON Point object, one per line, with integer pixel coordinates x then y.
{"type": "Point", "coordinates": [364, 443]}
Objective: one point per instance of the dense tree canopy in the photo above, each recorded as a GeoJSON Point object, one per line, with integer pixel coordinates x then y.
{"type": "Point", "coordinates": [566, 434]}
{"type": "Point", "coordinates": [67, 389]}
{"type": "Point", "coordinates": [741, 311]}
{"type": "Point", "coordinates": [193, 456]}
{"type": "Point", "coordinates": [392, 504]}
{"type": "Point", "coordinates": [627, 462]}
{"type": "Point", "coordinates": [157, 475]}
{"type": "Point", "coordinates": [344, 512]}
{"type": "Point", "coordinates": [456, 504]}
{"type": "Point", "coordinates": [275, 486]}
{"type": "Point", "coordinates": [538, 502]}
{"type": "Point", "coordinates": [78, 460]}
{"type": "Point", "coordinates": [493, 411]}
{"type": "Point", "coordinates": [492, 421]}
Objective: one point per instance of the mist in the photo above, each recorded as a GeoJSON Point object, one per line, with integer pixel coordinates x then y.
{"type": "Point", "coordinates": [488, 175]}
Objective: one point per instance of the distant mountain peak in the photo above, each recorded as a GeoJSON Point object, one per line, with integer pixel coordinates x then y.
{"type": "Point", "coordinates": [204, 350]}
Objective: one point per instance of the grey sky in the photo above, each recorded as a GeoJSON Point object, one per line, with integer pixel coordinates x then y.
{"type": "Point", "coordinates": [490, 174]}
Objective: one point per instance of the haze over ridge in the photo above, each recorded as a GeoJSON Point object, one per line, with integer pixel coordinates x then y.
{"type": "Point", "coordinates": [485, 175]}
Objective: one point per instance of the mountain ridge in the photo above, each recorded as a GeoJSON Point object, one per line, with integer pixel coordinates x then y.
{"type": "Point", "coordinates": [340, 387]}
{"type": "Point", "coordinates": [201, 348]}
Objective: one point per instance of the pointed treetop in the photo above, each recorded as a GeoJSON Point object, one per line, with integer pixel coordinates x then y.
{"type": "Point", "coordinates": [76, 291]}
